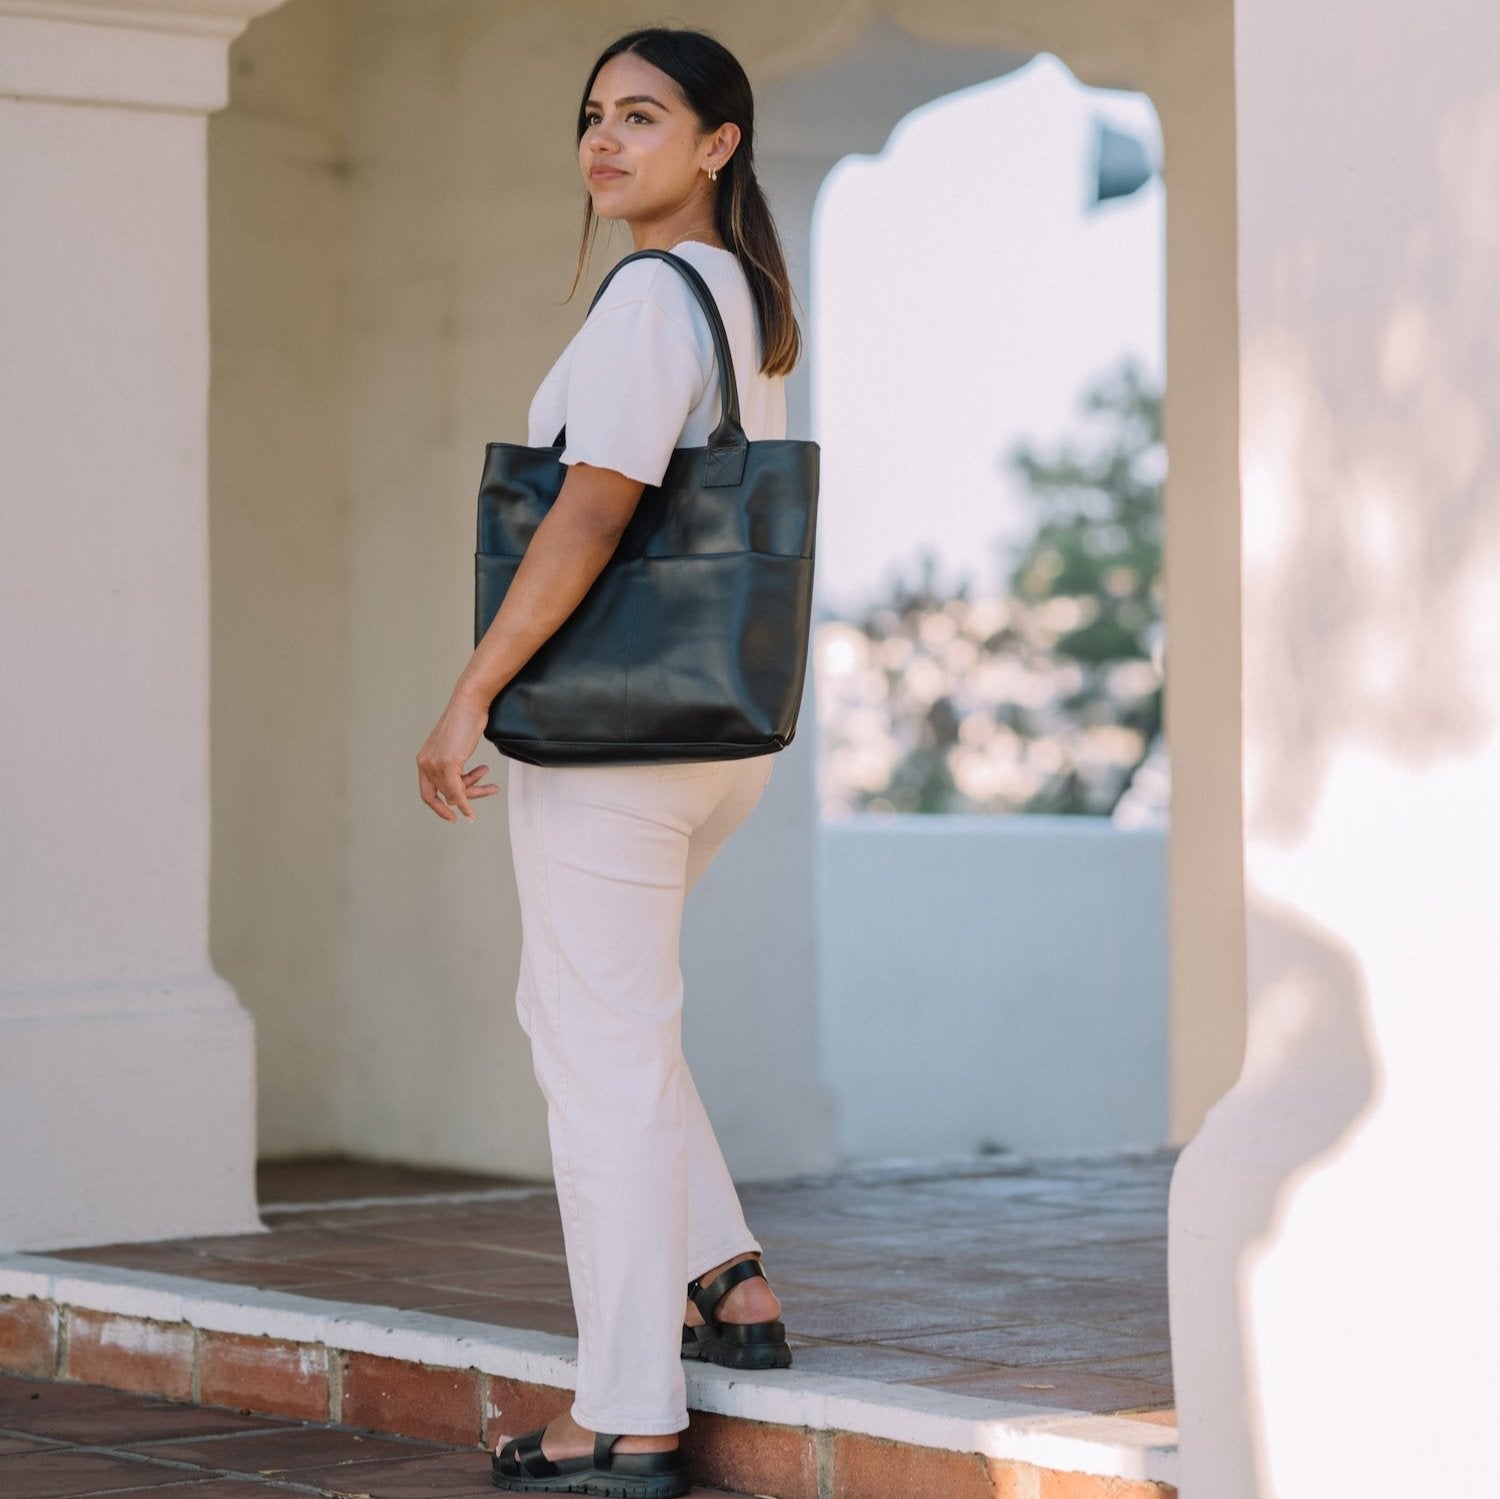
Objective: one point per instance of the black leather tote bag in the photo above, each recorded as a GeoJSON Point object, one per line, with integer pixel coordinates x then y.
{"type": "Point", "coordinates": [692, 643]}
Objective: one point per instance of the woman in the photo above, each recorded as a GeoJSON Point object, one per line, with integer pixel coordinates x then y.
{"type": "Point", "coordinates": [605, 855]}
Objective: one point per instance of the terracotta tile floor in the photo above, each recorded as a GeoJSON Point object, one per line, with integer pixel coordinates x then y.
{"type": "Point", "coordinates": [71, 1440]}
{"type": "Point", "coordinates": [1036, 1280]}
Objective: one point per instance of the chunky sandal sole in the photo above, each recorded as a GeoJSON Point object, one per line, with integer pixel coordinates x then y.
{"type": "Point", "coordinates": [606, 1485]}
{"type": "Point", "coordinates": [736, 1345]}
{"type": "Point", "coordinates": [771, 1352]}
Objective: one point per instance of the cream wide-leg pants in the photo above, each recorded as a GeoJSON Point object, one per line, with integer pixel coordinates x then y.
{"type": "Point", "coordinates": [604, 857]}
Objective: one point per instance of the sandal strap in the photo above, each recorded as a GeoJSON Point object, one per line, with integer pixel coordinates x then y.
{"type": "Point", "coordinates": [526, 1452]}
{"type": "Point", "coordinates": [707, 1297]}
{"type": "Point", "coordinates": [603, 1441]}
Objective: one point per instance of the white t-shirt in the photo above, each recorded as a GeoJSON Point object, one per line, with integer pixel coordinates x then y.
{"type": "Point", "coordinates": [639, 379]}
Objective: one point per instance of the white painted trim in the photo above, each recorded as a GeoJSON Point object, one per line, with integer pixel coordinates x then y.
{"type": "Point", "coordinates": [220, 18]}
{"type": "Point", "coordinates": [412, 1199]}
{"type": "Point", "coordinates": [65, 62]}
{"type": "Point", "coordinates": [189, 992]}
{"type": "Point", "coordinates": [122, 53]}
{"type": "Point", "coordinates": [1077, 1441]}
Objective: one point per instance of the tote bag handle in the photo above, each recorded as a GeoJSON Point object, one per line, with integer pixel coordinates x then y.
{"type": "Point", "coordinates": [727, 442]}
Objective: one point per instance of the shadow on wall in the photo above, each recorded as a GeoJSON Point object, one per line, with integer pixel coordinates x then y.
{"type": "Point", "coordinates": [1306, 1004]}
{"type": "Point", "coordinates": [1372, 526]}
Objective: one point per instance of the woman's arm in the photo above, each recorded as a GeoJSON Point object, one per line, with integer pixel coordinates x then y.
{"type": "Point", "coordinates": [566, 554]}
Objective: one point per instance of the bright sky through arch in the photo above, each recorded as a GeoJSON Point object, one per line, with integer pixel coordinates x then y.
{"type": "Point", "coordinates": [963, 294]}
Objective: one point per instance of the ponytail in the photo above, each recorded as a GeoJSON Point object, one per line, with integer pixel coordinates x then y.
{"type": "Point", "coordinates": [743, 218]}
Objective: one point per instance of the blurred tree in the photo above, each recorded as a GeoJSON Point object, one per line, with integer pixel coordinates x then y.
{"type": "Point", "coordinates": [1046, 698]}
{"type": "Point", "coordinates": [1095, 556]}
{"type": "Point", "coordinates": [1099, 531]}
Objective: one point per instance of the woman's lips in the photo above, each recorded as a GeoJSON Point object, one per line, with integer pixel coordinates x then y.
{"type": "Point", "coordinates": [603, 174]}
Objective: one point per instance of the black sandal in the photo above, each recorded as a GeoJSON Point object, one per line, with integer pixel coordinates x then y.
{"type": "Point", "coordinates": [521, 1467]}
{"type": "Point", "coordinates": [738, 1345]}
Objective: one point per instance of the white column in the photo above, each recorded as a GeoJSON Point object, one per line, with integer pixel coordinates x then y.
{"type": "Point", "coordinates": [126, 1063]}
{"type": "Point", "coordinates": [1334, 1225]}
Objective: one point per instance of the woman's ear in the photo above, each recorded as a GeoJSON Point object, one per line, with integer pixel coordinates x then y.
{"type": "Point", "coordinates": [725, 142]}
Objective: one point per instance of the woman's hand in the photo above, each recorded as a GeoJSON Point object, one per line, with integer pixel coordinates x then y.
{"type": "Point", "coordinates": [565, 556]}
{"type": "Point", "coordinates": [441, 778]}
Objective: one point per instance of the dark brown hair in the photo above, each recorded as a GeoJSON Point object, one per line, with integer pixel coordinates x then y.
{"type": "Point", "coordinates": [717, 90]}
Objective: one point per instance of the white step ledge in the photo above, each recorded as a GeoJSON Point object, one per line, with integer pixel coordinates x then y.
{"type": "Point", "coordinates": [1076, 1441]}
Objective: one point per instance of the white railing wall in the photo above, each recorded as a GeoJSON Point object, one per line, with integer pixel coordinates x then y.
{"type": "Point", "coordinates": [989, 981]}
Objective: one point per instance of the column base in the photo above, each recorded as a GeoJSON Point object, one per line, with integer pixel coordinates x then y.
{"type": "Point", "coordinates": [1222, 1200]}
{"type": "Point", "coordinates": [129, 1113]}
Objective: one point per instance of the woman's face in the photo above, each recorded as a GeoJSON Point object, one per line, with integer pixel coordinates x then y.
{"type": "Point", "coordinates": [643, 154]}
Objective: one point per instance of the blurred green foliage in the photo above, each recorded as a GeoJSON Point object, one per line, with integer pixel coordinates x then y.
{"type": "Point", "coordinates": [1045, 696]}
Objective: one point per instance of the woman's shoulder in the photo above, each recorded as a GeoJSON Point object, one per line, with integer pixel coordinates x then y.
{"type": "Point", "coordinates": [653, 281]}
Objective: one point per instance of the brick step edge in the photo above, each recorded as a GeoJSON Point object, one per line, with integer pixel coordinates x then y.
{"type": "Point", "coordinates": [178, 1352]}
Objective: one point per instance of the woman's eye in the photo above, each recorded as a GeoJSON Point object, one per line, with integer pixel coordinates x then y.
{"type": "Point", "coordinates": [593, 117]}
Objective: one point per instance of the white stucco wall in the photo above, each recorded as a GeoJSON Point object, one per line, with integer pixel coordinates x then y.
{"type": "Point", "coordinates": [1334, 1312]}
{"type": "Point", "coordinates": [993, 982]}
